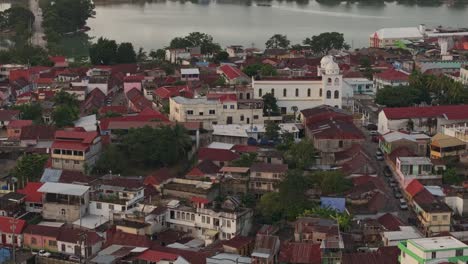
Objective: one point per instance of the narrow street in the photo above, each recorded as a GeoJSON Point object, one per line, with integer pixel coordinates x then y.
{"type": "Point", "coordinates": [37, 39]}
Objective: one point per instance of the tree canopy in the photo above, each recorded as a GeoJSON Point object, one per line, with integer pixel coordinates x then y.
{"type": "Point", "coordinates": [64, 16]}
{"type": "Point", "coordinates": [30, 112]}
{"type": "Point", "coordinates": [106, 52]}
{"type": "Point", "coordinates": [196, 39]}
{"type": "Point", "coordinates": [277, 41]}
{"type": "Point", "coordinates": [301, 155]}
{"type": "Point", "coordinates": [66, 109]}
{"type": "Point", "coordinates": [17, 19]}
{"type": "Point", "coordinates": [126, 53]}
{"type": "Point", "coordinates": [270, 106]}
{"type": "Point", "coordinates": [29, 168]}
{"type": "Point", "coordinates": [323, 43]}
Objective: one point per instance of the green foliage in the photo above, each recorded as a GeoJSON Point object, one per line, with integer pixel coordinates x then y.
{"type": "Point", "coordinates": [301, 155]}
{"type": "Point", "coordinates": [104, 51]}
{"type": "Point", "coordinates": [343, 219]}
{"type": "Point", "coordinates": [17, 19]}
{"type": "Point", "coordinates": [221, 56]}
{"type": "Point", "coordinates": [25, 54]}
{"type": "Point", "coordinates": [220, 82]}
{"type": "Point", "coordinates": [157, 55]}
{"type": "Point", "coordinates": [272, 131]}
{"type": "Point", "coordinates": [277, 41]}
{"type": "Point", "coordinates": [145, 148]}
{"type": "Point", "coordinates": [330, 182]}
{"type": "Point", "coordinates": [29, 168]}
{"type": "Point", "coordinates": [126, 53]}
{"type": "Point", "coordinates": [245, 160]}
{"type": "Point", "coordinates": [270, 106]}
{"type": "Point", "coordinates": [252, 69]}
{"type": "Point", "coordinates": [30, 112]}
{"type": "Point", "coordinates": [399, 96]}
{"type": "Point", "coordinates": [141, 56]}
{"type": "Point", "coordinates": [66, 109]}
{"type": "Point", "coordinates": [64, 16]}
{"type": "Point", "coordinates": [196, 39]}
{"type": "Point", "coordinates": [323, 43]}
{"type": "Point", "coordinates": [450, 176]}
{"type": "Point", "coordinates": [289, 202]}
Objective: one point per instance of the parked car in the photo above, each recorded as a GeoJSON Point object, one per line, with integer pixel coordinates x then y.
{"type": "Point", "coordinates": [397, 195]}
{"type": "Point", "coordinates": [74, 258]}
{"type": "Point", "coordinates": [42, 253]}
{"type": "Point", "coordinates": [374, 133]}
{"type": "Point", "coordinates": [371, 127]}
{"type": "Point", "coordinates": [403, 205]}
{"type": "Point", "coordinates": [379, 157]}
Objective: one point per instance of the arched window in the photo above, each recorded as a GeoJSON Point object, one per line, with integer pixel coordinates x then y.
{"type": "Point", "coordinates": [329, 81]}
{"type": "Point", "coordinates": [308, 92]}
{"type": "Point", "coordinates": [62, 212]}
{"type": "Point", "coordinates": [337, 94]}
{"type": "Point", "coordinates": [297, 92]}
{"type": "Point", "coordinates": [320, 92]}
{"type": "Point", "coordinates": [285, 93]}
{"type": "Point", "coordinates": [328, 94]}
{"type": "Point", "coordinates": [260, 93]}
{"type": "Point", "coordinates": [337, 81]}
{"type": "Point", "coordinates": [272, 91]}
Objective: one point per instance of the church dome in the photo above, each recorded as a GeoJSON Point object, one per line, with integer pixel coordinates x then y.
{"type": "Point", "coordinates": [325, 60]}
{"type": "Point", "coordinates": [332, 68]}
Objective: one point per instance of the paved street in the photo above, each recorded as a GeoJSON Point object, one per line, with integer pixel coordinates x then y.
{"type": "Point", "coordinates": [37, 38]}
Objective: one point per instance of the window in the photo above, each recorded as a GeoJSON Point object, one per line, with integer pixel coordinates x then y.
{"type": "Point", "coordinates": [337, 81]}
{"type": "Point", "coordinates": [248, 96]}
{"type": "Point", "coordinates": [434, 218]}
{"type": "Point", "coordinates": [200, 113]}
{"type": "Point", "coordinates": [207, 220]}
{"type": "Point", "coordinates": [98, 205]}
{"type": "Point", "coordinates": [52, 243]}
{"type": "Point", "coordinates": [62, 212]}
{"type": "Point", "coordinates": [33, 241]}
{"type": "Point", "coordinates": [340, 143]}
{"type": "Point", "coordinates": [241, 96]}
{"type": "Point", "coordinates": [189, 112]}
{"type": "Point", "coordinates": [258, 184]}
{"type": "Point", "coordinates": [337, 94]}
{"type": "Point", "coordinates": [212, 112]}
{"type": "Point", "coordinates": [445, 217]}
{"type": "Point", "coordinates": [255, 117]}
{"type": "Point", "coordinates": [76, 162]}
{"type": "Point", "coordinates": [433, 255]}
{"type": "Point", "coordinates": [232, 106]}
{"type": "Point", "coordinates": [111, 207]}
{"type": "Point", "coordinates": [183, 216]}
{"type": "Point", "coordinates": [63, 247]}
{"type": "Point", "coordinates": [203, 219]}
{"type": "Point", "coordinates": [178, 215]}
{"type": "Point", "coordinates": [297, 92]}
{"type": "Point", "coordinates": [329, 81]}
{"type": "Point", "coordinates": [56, 151]}
{"type": "Point", "coordinates": [320, 92]}
{"type": "Point", "coordinates": [192, 217]}
{"type": "Point", "coordinates": [242, 118]}
{"type": "Point", "coordinates": [308, 92]}
{"type": "Point", "coordinates": [228, 223]}
{"type": "Point", "coordinates": [224, 106]}
{"type": "Point", "coordinates": [285, 93]}
{"type": "Point", "coordinates": [459, 252]}
{"type": "Point", "coordinates": [258, 174]}
{"type": "Point", "coordinates": [328, 94]}
{"type": "Point", "coordinates": [260, 93]}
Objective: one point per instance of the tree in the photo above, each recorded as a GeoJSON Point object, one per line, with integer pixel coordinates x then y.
{"type": "Point", "coordinates": [272, 131]}
{"type": "Point", "coordinates": [64, 115]}
{"type": "Point", "coordinates": [111, 159]}
{"type": "Point", "coordinates": [277, 41]}
{"type": "Point", "coordinates": [331, 182]}
{"type": "Point", "coordinates": [126, 53]}
{"type": "Point", "coordinates": [30, 112]}
{"type": "Point", "coordinates": [268, 70]}
{"type": "Point", "coordinates": [104, 52]}
{"type": "Point", "coordinates": [450, 176]}
{"type": "Point", "coordinates": [29, 168]}
{"type": "Point", "coordinates": [399, 96]}
{"type": "Point", "coordinates": [17, 19]}
{"type": "Point", "coordinates": [270, 207]}
{"type": "Point", "coordinates": [292, 192]}
{"type": "Point", "coordinates": [301, 155]}
{"type": "Point", "coordinates": [252, 69]}
{"type": "Point", "coordinates": [323, 43]}
{"type": "Point", "coordinates": [141, 55]}
{"type": "Point", "coordinates": [196, 39]}
{"type": "Point", "coordinates": [222, 56]}
{"type": "Point", "coordinates": [220, 81]}
{"type": "Point", "coordinates": [270, 107]}
{"type": "Point", "coordinates": [245, 160]}
{"type": "Point", "coordinates": [410, 125]}
{"type": "Point", "coordinates": [66, 16]}
{"type": "Point", "coordinates": [157, 55]}
{"type": "Point", "coordinates": [343, 219]}
{"type": "Point", "coordinates": [64, 98]}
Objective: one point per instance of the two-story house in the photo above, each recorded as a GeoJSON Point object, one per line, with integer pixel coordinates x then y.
{"type": "Point", "coordinates": [39, 237]}
{"type": "Point", "coordinates": [63, 201]}
{"type": "Point", "coordinates": [444, 249]}
{"type": "Point", "coordinates": [266, 249]}
{"type": "Point", "coordinates": [75, 149]}
{"type": "Point", "coordinates": [265, 177]}
{"type": "Point", "coordinates": [11, 231]}
{"type": "Point", "coordinates": [420, 168]}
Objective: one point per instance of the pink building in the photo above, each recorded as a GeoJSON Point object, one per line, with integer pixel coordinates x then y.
{"type": "Point", "coordinates": [41, 237]}
{"type": "Point", "coordinates": [133, 81]}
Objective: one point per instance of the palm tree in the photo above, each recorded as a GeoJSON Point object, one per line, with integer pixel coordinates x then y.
{"type": "Point", "coordinates": [294, 109]}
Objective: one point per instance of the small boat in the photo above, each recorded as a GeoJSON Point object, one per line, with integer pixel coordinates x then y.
{"type": "Point", "coordinates": [263, 4]}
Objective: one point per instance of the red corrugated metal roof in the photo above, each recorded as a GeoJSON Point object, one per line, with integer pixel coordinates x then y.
{"type": "Point", "coordinates": [6, 225]}
{"type": "Point", "coordinates": [30, 190]}
{"type": "Point", "coordinates": [231, 72]}
{"type": "Point", "coordinates": [201, 200]}
{"type": "Point", "coordinates": [392, 75]}
{"type": "Point", "coordinates": [451, 112]}
{"type": "Point", "coordinates": [414, 187]}
{"type": "Point", "coordinates": [19, 123]}
{"type": "Point", "coordinates": [216, 154]}
{"type": "Point", "coordinates": [156, 256]}
{"type": "Point", "coordinates": [68, 145]}
{"type": "Point", "coordinates": [390, 222]}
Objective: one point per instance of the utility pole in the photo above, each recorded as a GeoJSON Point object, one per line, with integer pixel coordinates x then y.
{"type": "Point", "coordinates": [13, 223]}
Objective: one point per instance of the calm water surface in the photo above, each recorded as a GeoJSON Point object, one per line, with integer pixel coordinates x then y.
{"type": "Point", "coordinates": [153, 25]}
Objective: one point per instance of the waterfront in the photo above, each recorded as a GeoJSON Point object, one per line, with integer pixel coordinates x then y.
{"type": "Point", "coordinates": [152, 25]}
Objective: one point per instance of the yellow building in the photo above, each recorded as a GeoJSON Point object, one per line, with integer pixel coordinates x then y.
{"type": "Point", "coordinates": [444, 146]}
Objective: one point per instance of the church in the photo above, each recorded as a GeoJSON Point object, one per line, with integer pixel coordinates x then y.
{"type": "Point", "coordinates": [304, 92]}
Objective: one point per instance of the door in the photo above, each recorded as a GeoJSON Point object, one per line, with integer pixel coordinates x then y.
{"type": "Point", "coordinates": [229, 120]}
{"type": "Point", "coordinates": [3, 239]}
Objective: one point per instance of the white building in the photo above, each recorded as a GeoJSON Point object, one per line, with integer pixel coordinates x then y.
{"type": "Point", "coordinates": [353, 86]}
{"type": "Point", "coordinates": [207, 224]}
{"type": "Point", "coordinates": [304, 93]}
{"type": "Point", "coordinates": [433, 250]}
{"type": "Point", "coordinates": [392, 238]}
{"type": "Point", "coordinates": [190, 74]}
{"type": "Point", "coordinates": [390, 37]}
{"type": "Point", "coordinates": [419, 168]}
{"type": "Point", "coordinates": [226, 109]}
{"type": "Point", "coordinates": [240, 134]}
{"type": "Point", "coordinates": [464, 74]}
{"type": "Point", "coordinates": [458, 203]}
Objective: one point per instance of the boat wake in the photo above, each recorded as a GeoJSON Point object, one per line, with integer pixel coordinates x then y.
{"type": "Point", "coordinates": [328, 13]}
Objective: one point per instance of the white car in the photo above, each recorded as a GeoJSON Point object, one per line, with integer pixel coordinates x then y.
{"type": "Point", "coordinates": [403, 205]}
{"type": "Point", "coordinates": [42, 253]}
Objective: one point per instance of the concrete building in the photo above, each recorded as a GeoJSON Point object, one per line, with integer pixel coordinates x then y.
{"type": "Point", "coordinates": [353, 86]}
{"type": "Point", "coordinates": [190, 74]}
{"type": "Point", "coordinates": [305, 93]}
{"type": "Point", "coordinates": [236, 51]}
{"type": "Point", "coordinates": [390, 77]}
{"type": "Point", "coordinates": [207, 224]}
{"type": "Point", "coordinates": [224, 110]}
{"type": "Point", "coordinates": [445, 146]}
{"type": "Point", "coordinates": [75, 149]}
{"type": "Point", "coordinates": [464, 74]}
{"type": "Point", "coordinates": [433, 250]}
{"type": "Point", "coordinates": [419, 168]}
{"type": "Point", "coordinates": [390, 37]}
{"type": "Point", "coordinates": [393, 238]}
{"type": "Point", "coordinates": [64, 202]}
{"type": "Point", "coordinates": [458, 202]}
{"type": "Point", "coordinates": [265, 177]}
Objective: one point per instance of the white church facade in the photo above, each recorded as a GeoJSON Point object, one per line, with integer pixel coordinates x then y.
{"type": "Point", "coordinates": [305, 92]}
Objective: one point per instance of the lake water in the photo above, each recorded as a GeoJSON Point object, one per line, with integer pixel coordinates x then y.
{"type": "Point", "coordinates": [152, 25]}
